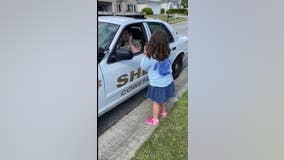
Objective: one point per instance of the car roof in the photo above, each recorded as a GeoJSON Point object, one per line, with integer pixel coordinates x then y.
{"type": "Point", "coordinates": [122, 20]}
{"type": "Point", "coordinates": [116, 19]}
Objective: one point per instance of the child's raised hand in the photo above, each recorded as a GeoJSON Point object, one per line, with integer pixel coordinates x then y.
{"type": "Point", "coordinates": [145, 50]}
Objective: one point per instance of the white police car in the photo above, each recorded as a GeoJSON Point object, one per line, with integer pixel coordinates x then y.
{"type": "Point", "coordinates": [119, 72]}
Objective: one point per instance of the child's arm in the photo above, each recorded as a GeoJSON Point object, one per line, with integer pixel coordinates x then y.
{"type": "Point", "coordinates": [146, 63]}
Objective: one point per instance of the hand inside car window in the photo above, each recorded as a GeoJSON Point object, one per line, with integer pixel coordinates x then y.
{"type": "Point", "coordinates": [126, 40]}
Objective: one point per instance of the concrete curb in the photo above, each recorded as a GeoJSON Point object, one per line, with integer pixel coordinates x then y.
{"type": "Point", "coordinates": [122, 140]}
{"type": "Point", "coordinates": [174, 22]}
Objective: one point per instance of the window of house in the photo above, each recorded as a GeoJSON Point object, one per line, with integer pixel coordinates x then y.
{"type": "Point", "coordinates": [130, 8]}
{"type": "Point", "coordinates": [119, 8]}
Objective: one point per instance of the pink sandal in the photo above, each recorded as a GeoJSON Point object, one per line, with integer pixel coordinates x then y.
{"type": "Point", "coordinates": [152, 122]}
{"type": "Point", "coordinates": [163, 114]}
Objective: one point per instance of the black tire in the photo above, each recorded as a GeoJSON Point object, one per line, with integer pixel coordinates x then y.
{"type": "Point", "coordinates": [177, 67]}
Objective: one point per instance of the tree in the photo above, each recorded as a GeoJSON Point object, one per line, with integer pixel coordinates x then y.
{"type": "Point", "coordinates": [147, 10]}
{"type": "Point", "coordinates": [162, 10]}
{"type": "Point", "coordinates": [184, 3]}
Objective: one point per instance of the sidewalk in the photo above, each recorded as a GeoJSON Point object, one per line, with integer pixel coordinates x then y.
{"type": "Point", "coordinates": [179, 20]}
{"type": "Point", "coordinates": [122, 140]}
{"type": "Point", "coordinates": [163, 17]}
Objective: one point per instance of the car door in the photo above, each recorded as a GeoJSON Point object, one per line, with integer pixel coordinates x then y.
{"type": "Point", "coordinates": [123, 78]}
{"type": "Point", "coordinates": [154, 26]}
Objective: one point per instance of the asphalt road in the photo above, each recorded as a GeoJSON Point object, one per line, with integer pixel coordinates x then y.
{"type": "Point", "coordinates": [110, 118]}
{"type": "Point", "coordinates": [181, 27]}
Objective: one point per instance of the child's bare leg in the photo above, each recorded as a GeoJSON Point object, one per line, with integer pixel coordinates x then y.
{"type": "Point", "coordinates": [156, 110]}
{"type": "Point", "coordinates": [164, 107]}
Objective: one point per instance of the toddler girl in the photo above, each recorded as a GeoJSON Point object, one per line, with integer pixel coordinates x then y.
{"type": "Point", "coordinates": [156, 62]}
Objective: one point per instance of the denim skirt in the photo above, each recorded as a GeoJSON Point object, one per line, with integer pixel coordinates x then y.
{"type": "Point", "coordinates": [161, 94]}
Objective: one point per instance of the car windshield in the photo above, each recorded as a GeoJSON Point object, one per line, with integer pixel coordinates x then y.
{"type": "Point", "coordinates": [106, 33]}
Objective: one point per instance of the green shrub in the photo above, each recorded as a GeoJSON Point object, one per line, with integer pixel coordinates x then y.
{"type": "Point", "coordinates": [147, 11]}
{"type": "Point", "coordinates": [177, 11]}
{"type": "Point", "coordinates": [162, 10]}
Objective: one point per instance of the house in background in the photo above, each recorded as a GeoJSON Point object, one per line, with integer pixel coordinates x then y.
{"type": "Point", "coordinates": [105, 5]}
{"type": "Point", "coordinates": [157, 5]}
{"type": "Point", "coordinates": [168, 4]}
{"type": "Point", "coordinates": [117, 6]}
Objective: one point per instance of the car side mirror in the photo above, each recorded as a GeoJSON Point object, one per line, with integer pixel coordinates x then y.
{"type": "Point", "coordinates": [121, 54]}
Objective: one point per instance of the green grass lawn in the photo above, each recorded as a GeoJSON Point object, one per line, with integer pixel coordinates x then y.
{"type": "Point", "coordinates": [163, 17]}
{"type": "Point", "coordinates": [169, 141]}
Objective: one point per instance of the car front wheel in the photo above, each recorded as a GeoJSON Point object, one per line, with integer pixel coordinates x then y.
{"type": "Point", "coordinates": [177, 66]}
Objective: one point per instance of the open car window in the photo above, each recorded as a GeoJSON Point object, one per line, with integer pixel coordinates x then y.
{"type": "Point", "coordinates": [139, 38]}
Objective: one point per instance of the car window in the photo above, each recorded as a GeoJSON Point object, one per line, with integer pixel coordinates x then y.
{"type": "Point", "coordinates": [154, 26]}
{"type": "Point", "coordinates": [106, 33]}
{"type": "Point", "coordinates": [139, 39]}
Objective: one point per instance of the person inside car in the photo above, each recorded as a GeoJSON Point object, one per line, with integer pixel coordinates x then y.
{"type": "Point", "coordinates": [126, 40]}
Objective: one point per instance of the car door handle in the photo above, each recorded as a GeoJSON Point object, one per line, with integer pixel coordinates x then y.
{"type": "Point", "coordinates": [174, 48]}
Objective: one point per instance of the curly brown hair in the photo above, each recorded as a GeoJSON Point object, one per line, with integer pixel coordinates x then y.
{"type": "Point", "coordinates": [158, 46]}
